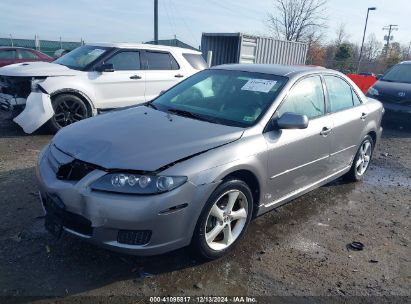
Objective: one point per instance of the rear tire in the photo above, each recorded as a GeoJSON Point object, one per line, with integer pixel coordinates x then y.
{"type": "Point", "coordinates": [223, 220]}
{"type": "Point", "coordinates": [68, 109]}
{"type": "Point", "coordinates": [361, 160]}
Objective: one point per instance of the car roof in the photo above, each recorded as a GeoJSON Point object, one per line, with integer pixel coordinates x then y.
{"type": "Point", "coordinates": [405, 62]}
{"type": "Point", "coordinates": [275, 69]}
{"type": "Point", "coordinates": [16, 47]}
{"type": "Point", "coordinates": [144, 46]}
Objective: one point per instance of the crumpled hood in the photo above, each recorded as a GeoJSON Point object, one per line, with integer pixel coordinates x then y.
{"type": "Point", "coordinates": [37, 69]}
{"type": "Point", "coordinates": [141, 138]}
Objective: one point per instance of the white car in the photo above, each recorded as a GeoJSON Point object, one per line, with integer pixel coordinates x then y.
{"type": "Point", "coordinates": [91, 79]}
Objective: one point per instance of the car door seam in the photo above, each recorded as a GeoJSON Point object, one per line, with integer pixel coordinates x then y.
{"type": "Point", "coordinates": [345, 149]}
{"type": "Point", "coordinates": [297, 191]}
{"type": "Point", "coordinates": [299, 167]}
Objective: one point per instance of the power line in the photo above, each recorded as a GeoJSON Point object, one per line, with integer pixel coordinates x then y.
{"type": "Point", "coordinates": [170, 21]}
{"type": "Point", "coordinates": [231, 9]}
{"type": "Point", "coordinates": [183, 20]}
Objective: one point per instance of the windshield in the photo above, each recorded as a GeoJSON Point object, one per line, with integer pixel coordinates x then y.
{"type": "Point", "coordinates": [82, 56]}
{"type": "Point", "coordinates": [233, 98]}
{"type": "Point", "coordinates": [399, 73]}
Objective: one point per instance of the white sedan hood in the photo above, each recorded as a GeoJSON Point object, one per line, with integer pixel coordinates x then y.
{"type": "Point", "coordinates": [37, 69]}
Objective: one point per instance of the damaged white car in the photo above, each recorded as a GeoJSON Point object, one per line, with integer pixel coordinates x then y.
{"type": "Point", "coordinates": [91, 79]}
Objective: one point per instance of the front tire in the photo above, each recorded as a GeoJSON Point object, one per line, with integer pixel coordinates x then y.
{"type": "Point", "coordinates": [68, 109]}
{"type": "Point", "coordinates": [223, 220]}
{"type": "Point", "coordinates": [361, 160]}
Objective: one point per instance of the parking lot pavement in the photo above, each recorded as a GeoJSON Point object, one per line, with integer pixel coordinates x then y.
{"type": "Point", "coordinates": [299, 249]}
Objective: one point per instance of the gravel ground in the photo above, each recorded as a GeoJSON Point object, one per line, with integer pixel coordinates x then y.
{"type": "Point", "coordinates": [298, 249]}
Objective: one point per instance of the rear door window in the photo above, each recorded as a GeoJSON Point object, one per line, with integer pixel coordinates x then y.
{"type": "Point", "coordinates": [126, 61]}
{"type": "Point", "coordinates": [7, 54]}
{"type": "Point", "coordinates": [339, 92]}
{"type": "Point", "coordinates": [161, 61]}
{"type": "Point", "coordinates": [26, 54]}
{"type": "Point", "coordinates": [196, 61]}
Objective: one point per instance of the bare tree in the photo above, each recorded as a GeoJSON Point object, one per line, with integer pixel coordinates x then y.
{"type": "Point", "coordinates": [296, 20]}
{"type": "Point", "coordinates": [342, 35]}
{"type": "Point", "coordinates": [372, 48]}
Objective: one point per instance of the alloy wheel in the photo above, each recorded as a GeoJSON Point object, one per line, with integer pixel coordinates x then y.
{"type": "Point", "coordinates": [364, 157]}
{"type": "Point", "coordinates": [226, 220]}
{"type": "Point", "coordinates": [68, 112]}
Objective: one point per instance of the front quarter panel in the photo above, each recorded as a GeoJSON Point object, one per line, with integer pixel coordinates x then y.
{"type": "Point", "coordinates": [64, 84]}
{"type": "Point", "coordinates": [247, 153]}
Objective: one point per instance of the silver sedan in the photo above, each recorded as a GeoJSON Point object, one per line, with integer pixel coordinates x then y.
{"type": "Point", "coordinates": [196, 164]}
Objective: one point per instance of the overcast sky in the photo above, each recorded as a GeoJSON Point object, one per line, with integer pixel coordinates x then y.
{"type": "Point", "coordinates": [132, 21]}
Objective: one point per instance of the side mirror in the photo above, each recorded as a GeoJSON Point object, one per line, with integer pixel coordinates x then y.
{"type": "Point", "coordinates": [291, 121]}
{"type": "Point", "coordinates": [379, 76]}
{"type": "Point", "coordinates": [105, 67]}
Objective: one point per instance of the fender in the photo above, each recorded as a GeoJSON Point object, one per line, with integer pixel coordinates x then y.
{"type": "Point", "coordinates": [68, 84]}
{"type": "Point", "coordinates": [37, 112]}
{"type": "Point", "coordinates": [38, 109]}
{"type": "Point", "coordinates": [77, 92]}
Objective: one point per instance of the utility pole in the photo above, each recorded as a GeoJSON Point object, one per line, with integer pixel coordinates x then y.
{"type": "Point", "coordinates": [389, 28]}
{"type": "Point", "coordinates": [363, 36]}
{"type": "Point", "coordinates": [155, 21]}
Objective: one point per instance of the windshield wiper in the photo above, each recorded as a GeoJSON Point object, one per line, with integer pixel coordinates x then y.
{"type": "Point", "coordinates": [151, 105]}
{"type": "Point", "coordinates": [187, 114]}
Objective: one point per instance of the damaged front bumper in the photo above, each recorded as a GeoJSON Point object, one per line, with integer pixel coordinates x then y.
{"type": "Point", "coordinates": [37, 112]}
{"type": "Point", "coordinates": [132, 224]}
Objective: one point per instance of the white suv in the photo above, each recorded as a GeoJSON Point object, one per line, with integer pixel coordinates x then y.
{"type": "Point", "coordinates": [91, 79]}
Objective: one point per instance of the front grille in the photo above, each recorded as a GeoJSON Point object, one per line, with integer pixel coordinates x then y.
{"type": "Point", "coordinates": [19, 87]}
{"type": "Point", "coordinates": [134, 237]}
{"type": "Point", "coordinates": [74, 171]}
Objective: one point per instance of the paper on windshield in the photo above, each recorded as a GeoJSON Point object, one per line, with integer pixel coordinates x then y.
{"type": "Point", "coordinates": [259, 85]}
{"type": "Point", "coordinates": [96, 52]}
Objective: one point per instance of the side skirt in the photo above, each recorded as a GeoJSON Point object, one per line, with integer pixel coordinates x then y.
{"type": "Point", "coordinates": [292, 195]}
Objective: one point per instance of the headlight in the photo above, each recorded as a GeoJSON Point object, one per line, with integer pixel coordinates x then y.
{"type": "Point", "coordinates": [137, 184]}
{"type": "Point", "coordinates": [35, 84]}
{"type": "Point", "coordinates": [373, 91]}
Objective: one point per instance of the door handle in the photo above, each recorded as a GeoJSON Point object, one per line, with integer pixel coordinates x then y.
{"type": "Point", "coordinates": [178, 76]}
{"type": "Point", "coordinates": [325, 131]}
{"type": "Point", "coordinates": [364, 116]}
{"type": "Point", "coordinates": [135, 77]}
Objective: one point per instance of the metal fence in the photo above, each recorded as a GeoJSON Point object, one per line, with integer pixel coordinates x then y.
{"type": "Point", "coordinates": [46, 46]}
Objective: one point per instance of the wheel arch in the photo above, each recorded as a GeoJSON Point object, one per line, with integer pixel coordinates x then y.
{"type": "Point", "coordinates": [79, 94]}
{"type": "Point", "coordinates": [373, 135]}
{"type": "Point", "coordinates": [251, 180]}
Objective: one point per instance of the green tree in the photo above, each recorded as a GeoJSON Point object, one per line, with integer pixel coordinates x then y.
{"type": "Point", "coordinates": [344, 59]}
